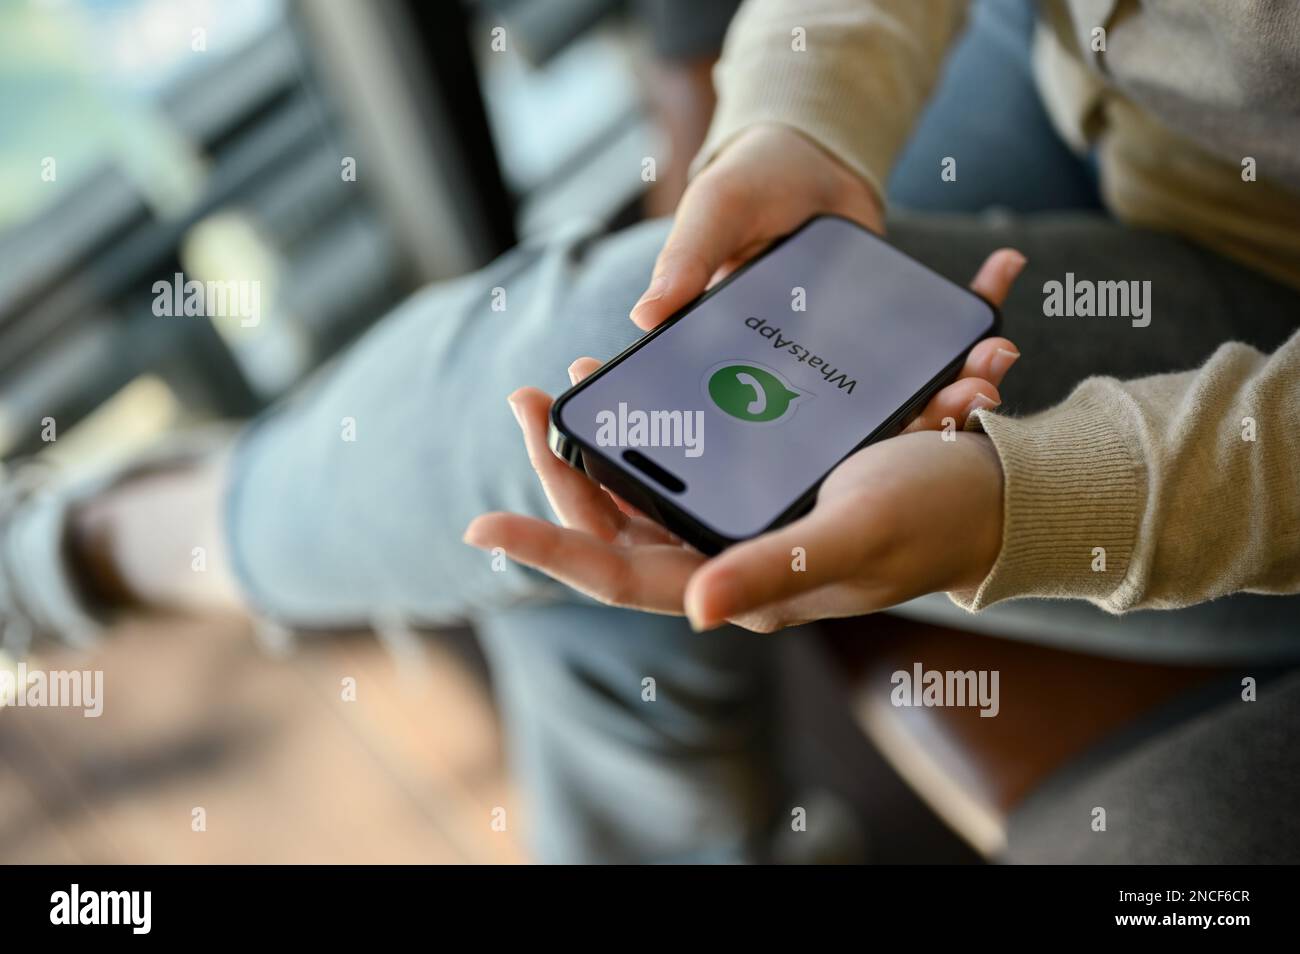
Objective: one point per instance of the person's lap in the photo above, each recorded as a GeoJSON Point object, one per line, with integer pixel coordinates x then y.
{"type": "Point", "coordinates": [634, 738]}
{"type": "Point", "coordinates": [328, 532]}
{"type": "Point", "coordinates": [1198, 300]}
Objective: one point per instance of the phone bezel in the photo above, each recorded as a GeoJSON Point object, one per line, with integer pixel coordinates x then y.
{"type": "Point", "coordinates": [644, 495]}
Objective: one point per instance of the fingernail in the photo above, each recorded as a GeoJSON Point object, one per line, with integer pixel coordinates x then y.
{"type": "Point", "coordinates": [514, 409]}
{"type": "Point", "coordinates": [471, 536]}
{"type": "Point", "coordinates": [1002, 361]}
{"type": "Point", "coordinates": [695, 613]}
{"type": "Point", "coordinates": [573, 375]}
{"type": "Point", "coordinates": [981, 402]}
{"type": "Point", "coordinates": [1015, 266]}
{"type": "Point", "coordinates": [658, 285]}
{"type": "Point", "coordinates": [721, 590]}
{"type": "Point", "coordinates": [701, 623]}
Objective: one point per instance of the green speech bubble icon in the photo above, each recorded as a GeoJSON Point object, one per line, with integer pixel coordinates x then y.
{"type": "Point", "coordinates": [751, 392]}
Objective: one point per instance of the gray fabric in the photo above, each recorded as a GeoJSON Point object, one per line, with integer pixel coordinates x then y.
{"type": "Point", "coordinates": [325, 532]}
{"type": "Point", "coordinates": [618, 769]}
{"type": "Point", "coordinates": [1242, 629]}
{"type": "Point", "coordinates": [1218, 788]}
{"type": "Point", "coordinates": [687, 29]}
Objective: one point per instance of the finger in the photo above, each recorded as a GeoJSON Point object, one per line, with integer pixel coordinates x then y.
{"type": "Point", "coordinates": [814, 551]}
{"type": "Point", "coordinates": [952, 405]}
{"type": "Point", "coordinates": [998, 274]}
{"type": "Point", "coordinates": [584, 366]}
{"type": "Point", "coordinates": [650, 578]}
{"type": "Point", "coordinates": [826, 602]}
{"type": "Point", "coordinates": [990, 359]}
{"type": "Point", "coordinates": [627, 509]}
{"type": "Point", "coordinates": [708, 230]}
{"type": "Point", "coordinates": [739, 258]}
{"type": "Point", "coordinates": [577, 500]}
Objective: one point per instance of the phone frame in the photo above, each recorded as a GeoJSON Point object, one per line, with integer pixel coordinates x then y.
{"type": "Point", "coordinates": [659, 504]}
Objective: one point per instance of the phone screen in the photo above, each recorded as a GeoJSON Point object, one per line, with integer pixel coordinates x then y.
{"type": "Point", "coordinates": [746, 402]}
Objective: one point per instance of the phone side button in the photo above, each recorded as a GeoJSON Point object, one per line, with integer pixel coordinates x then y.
{"type": "Point", "coordinates": [652, 470]}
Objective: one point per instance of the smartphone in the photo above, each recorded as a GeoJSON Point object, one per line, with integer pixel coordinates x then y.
{"type": "Point", "coordinates": [722, 422]}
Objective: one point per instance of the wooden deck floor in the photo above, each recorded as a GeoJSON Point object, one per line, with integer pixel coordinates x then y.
{"type": "Point", "coordinates": [199, 715]}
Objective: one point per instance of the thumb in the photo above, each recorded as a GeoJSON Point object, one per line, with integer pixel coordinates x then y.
{"type": "Point", "coordinates": [709, 230]}
{"type": "Point", "coordinates": [761, 571]}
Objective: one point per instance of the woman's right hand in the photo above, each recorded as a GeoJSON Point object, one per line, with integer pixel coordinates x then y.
{"type": "Point", "coordinates": [765, 183]}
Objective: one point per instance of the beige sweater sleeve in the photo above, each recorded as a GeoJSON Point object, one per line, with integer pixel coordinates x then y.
{"type": "Point", "coordinates": [1155, 493]}
{"type": "Point", "coordinates": [852, 75]}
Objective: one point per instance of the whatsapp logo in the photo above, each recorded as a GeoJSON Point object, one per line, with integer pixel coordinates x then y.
{"type": "Point", "coordinates": [751, 392]}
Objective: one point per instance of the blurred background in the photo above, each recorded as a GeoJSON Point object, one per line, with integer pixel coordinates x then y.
{"type": "Point", "coordinates": [342, 153]}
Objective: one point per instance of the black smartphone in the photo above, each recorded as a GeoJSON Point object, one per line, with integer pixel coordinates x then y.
{"type": "Point", "coordinates": [722, 422]}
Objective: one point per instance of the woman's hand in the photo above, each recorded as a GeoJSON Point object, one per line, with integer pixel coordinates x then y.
{"type": "Point", "coordinates": [910, 515]}
{"type": "Point", "coordinates": [765, 183]}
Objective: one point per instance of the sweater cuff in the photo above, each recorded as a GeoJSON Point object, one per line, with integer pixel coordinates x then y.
{"type": "Point", "coordinates": [1072, 494]}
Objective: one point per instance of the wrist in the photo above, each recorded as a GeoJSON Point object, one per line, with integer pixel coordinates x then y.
{"type": "Point", "coordinates": [985, 503]}
{"type": "Point", "coordinates": [815, 177]}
